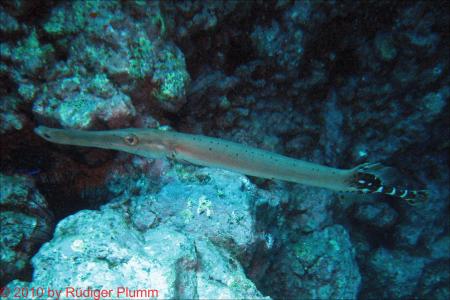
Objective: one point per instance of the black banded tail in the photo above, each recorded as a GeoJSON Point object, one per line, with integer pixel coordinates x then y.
{"type": "Point", "coordinates": [367, 180]}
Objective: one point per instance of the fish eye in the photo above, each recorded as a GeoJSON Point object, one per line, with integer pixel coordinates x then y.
{"type": "Point", "coordinates": [131, 140]}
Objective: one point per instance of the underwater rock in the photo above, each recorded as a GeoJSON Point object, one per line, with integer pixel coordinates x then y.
{"type": "Point", "coordinates": [131, 54]}
{"type": "Point", "coordinates": [408, 235]}
{"type": "Point", "coordinates": [212, 83]}
{"type": "Point", "coordinates": [25, 59]}
{"type": "Point", "coordinates": [392, 274]}
{"type": "Point", "coordinates": [170, 78]}
{"type": "Point", "coordinates": [73, 103]}
{"type": "Point", "coordinates": [310, 210]}
{"type": "Point", "coordinates": [20, 8]}
{"type": "Point", "coordinates": [385, 46]}
{"type": "Point", "coordinates": [338, 83]}
{"type": "Point", "coordinates": [399, 96]}
{"type": "Point", "coordinates": [220, 275]}
{"type": "Point", "coordinates": [25, 223]}
{"type": "Point", "coordinates": [203, 203]}
{"type": "Point", "coordinates": [176, 263]}
{"type": "Point", "coordinates": [417, 27]}
{"type": "Point", "coordinates": [219, 208]}
{"type": "Point", "coordinates": [440, 249]}
{"type": "Point", "coordinates": [210, 89]}
{"type": "Point", "coordinates": [377, 214]}
{"type": "Point", "coordinates": [10, 119]}
{"type": "Point", "coordinates": [29, 57]}
{"type": "Point", "coordinates": [321, 265]}
{"type": "Point", "coordinates": [281, 48]}
{"type": "Point", "coordinates": [9, 24]}
{"type": "Point", "coordinates": [434, 283]}
{"type": "Point", "coordinates": [189, 17]}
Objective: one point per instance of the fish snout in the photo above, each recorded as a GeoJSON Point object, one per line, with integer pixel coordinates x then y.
{"type": "Point", "coordinates": [42, 131]}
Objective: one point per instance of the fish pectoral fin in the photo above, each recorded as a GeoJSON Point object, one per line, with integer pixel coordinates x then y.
{"type": "Point", "coordinates": [185, 162]}
{"type": "Point", "coordinates": [173, 155]}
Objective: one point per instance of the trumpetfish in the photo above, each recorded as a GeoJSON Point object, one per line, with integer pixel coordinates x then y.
{"type": "Point", "coordinates": [218, 153]}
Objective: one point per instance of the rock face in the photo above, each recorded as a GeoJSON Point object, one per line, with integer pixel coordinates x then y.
{"type": "Point", "coordinates": [334, 82]}
{"type": "Point", "coordinates": [25, 223]}
{"type": "Point", "coordinates": [108, 59]}
{"type": "Point", "coordinates": [90, 243]}
{"type": "Point", "coordinates": [184, 242]}
{"type": "Point", "coordinates": [321, 265]}
{"type": "Point", "coordinates": [378, 215]}
{"type": "Point", "coordinates": [396, 273]}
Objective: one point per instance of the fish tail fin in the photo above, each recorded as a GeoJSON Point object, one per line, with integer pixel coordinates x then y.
{"type": "Point", "coordinates": [370, 178]}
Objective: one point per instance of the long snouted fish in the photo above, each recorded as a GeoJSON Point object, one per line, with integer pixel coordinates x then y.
{"type": "Point", "coordinates": [217, 153]}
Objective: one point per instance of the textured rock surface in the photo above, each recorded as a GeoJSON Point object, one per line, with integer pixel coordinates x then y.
{"type": "Point", "coordinates": [394, 274]}
{"type": "Point", "coordinates": [379, 214]}
{"type": "Point", "coordinates": [320, 265]}
{"type": "Point", "coordinates": [72, 105]}
{"type": "Point", "coordinates": [337, 83]}
{"type": "Point", "coordinates": [185, 245]}
{"type": "Point", "coordinates": [104, 60]}
{"type": "Point", "coordinates": [25, 223]}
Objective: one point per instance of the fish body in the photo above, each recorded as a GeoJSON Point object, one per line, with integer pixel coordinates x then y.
{"type": "Point", "coordinates": [218, 153]}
